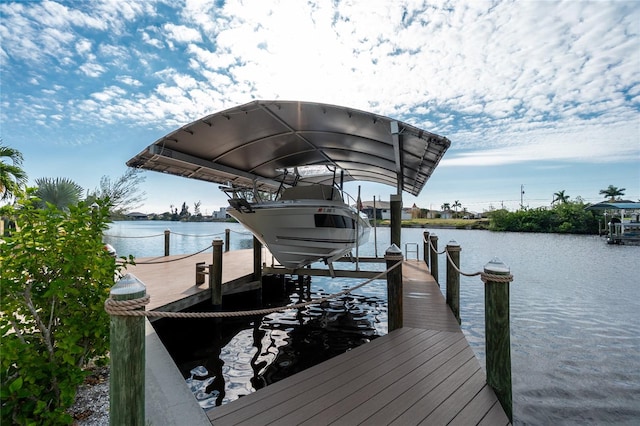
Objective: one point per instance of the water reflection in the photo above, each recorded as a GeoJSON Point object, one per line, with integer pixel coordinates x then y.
{"type": "Point", "coordinates": [225, 359]}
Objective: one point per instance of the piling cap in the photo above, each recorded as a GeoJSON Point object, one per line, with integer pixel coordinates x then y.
{"type": "Point", "coordinates": [496, 266]}
{"type": "Point", "coordinates": [453, 243]}
{"type": "Point", "coordinates": [393, 250]}
{"type": "Point", "coordinates": [129, 284]}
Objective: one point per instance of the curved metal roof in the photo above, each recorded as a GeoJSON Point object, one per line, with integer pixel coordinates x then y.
{"type": "Point", "coordinates": [614, 205]}
{"type": "Point", "coordinates": [253, 143]}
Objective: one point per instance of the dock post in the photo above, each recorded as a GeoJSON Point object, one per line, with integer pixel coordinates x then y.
{"type": "Point", "coordinates": [396, 219]}
{"type": "Point", "coordinates": [395, 313]}
{"type": "Point", "coordinates": [433, 238]}
{"type": "Point", "coordinates": [425, 247]}
{"type": "Point", "coordinates": [257, 259]}
{"type": "Point", "coordinates": [227, 239]}
{"type": "Point", "coordinates": [127, 347]}
{"type": "Point", "coordinates": [453, 278]}
{"type": "Point", "coordinates": [215, 275]}
{"type": "Point", "coordinates": [498, 334]}
{"type": "Point", "coordinates": [167, 236]}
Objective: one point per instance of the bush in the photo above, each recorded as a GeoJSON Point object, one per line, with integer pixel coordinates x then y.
{"type": "Point", "coordinates": [570, 217]}
{"type": "Point", "coordinates": [55, 278]}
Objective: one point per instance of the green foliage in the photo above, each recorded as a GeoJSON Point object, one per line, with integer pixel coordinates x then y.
{"type": "Point", "coordinates": [567, 217]}
{"type": "Point", "coordinates": [54, 280]}
{"type": "Point", "coordinates": [61, 192]}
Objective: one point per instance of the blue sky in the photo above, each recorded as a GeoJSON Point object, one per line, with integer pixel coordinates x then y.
{"type": "Point", "coordinates": [542, 94]}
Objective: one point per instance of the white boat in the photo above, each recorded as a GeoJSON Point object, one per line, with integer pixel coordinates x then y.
{"type": "Point", "coordinates": [305, 224]}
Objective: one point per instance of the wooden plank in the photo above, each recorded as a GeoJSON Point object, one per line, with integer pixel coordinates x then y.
{"type": "Point", "coordinates": [424, 398]}
{"type": "Point", "coordinates": [362, 381]}
{"type": "Point", "coordinates": [383, 388]}
{"type": "Point", "coordinates": [478, 408]}
{"type": "Point", "coordinates": [276, 393]}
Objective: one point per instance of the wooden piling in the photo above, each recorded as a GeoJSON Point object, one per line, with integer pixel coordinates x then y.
{"type": "Point", "coordinates": [200, 273]}
{"type": "Point", "coordinates": [433, 238]}
{"type": "Point", "coordinates": [396, 219]}
{"type": "Point", "coordinates": [498, 335]}
{"type": "Point", "coordinates": [127, 353]}
{"type": "Point", "coordinates": [227, 239]}
{"type": "Point", "coordinates": [453, 278]}
{"type": "Point", "coordinates": [425, 248]}
{"type": "Point", "coordinates": [167, 237]}
{"type": "Point", "coordinates": [215, 274]}
{"type": "Point", "coordinates": [395, 313]}
{"type": "Point", "coordinates": [257, 259]}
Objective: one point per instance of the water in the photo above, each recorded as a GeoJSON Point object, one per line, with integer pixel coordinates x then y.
{"type": "Point", "coordinates": [575, 332]}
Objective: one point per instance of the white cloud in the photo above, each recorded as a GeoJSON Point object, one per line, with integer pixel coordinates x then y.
{"type": "Point", "coordinates": [182, 33]}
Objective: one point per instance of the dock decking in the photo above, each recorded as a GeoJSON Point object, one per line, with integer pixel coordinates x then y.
{"type": "Point", "coordinates": [423, 373]}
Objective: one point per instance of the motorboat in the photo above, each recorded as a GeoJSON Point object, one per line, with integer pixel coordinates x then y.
{"type": "Point", "coordinates": [303, 224]}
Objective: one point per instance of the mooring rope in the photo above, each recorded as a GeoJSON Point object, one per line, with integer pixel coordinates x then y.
{"type": "Point", "coordinates": [198, 235]}
{"type": "Point", "coordinates": [431, 247]}
{"type": "Point", "coordinates": [133, 307]}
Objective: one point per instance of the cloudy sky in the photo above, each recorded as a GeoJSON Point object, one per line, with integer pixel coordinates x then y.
{"type": "Point", "coordinates": [543, 95]}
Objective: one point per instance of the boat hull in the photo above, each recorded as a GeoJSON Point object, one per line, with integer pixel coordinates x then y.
{"type": "Point", "coordinates": [303, 232]}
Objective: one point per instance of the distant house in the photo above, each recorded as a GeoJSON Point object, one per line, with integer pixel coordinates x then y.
{"type": "Point", "coordinates": [137, 216]}
{"type": "Point", "coordinates": [220, 214]}
{"type": "Point", "coordinates": [383, 210]}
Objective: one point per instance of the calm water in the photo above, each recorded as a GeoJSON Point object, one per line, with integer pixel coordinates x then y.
{"type": "Point", "coordinates": [575, 327]}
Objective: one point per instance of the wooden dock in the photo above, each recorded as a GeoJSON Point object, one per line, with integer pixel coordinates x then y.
{"type": "Point", "coordinates": [423, 373]}
{"type": "Point", "coordinates": [171, 283]}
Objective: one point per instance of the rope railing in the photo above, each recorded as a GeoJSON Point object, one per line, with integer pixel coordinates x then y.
{"type": "Point", "coordinates": [133, 307]}
{"type": "Point", "coordinates": [153, 262]}
{"type": "Point", "coordinates": [141, 236]}
{"type": "Point", "coordinates": [484, 276]}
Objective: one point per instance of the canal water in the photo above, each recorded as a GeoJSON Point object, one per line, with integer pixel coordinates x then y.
{"type": "Point", "coordinates": [575, 324]}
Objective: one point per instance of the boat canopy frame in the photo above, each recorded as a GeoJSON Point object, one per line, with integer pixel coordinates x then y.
{"type": "Point", "coordinates": [250, 145]}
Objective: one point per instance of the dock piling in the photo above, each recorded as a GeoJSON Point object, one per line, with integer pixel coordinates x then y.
{"type": "Point", "coordinates": [395, 314]}
{"type": "Point", "coordinates": [227, 239]}
{"type": "Point", "coordinates": [127, 348]}
{"type": "Point", "coordinates": [425, 247]}
{"type": "Point", "coordinates": [433, 240]}
{"type": "Point", "coordinates": [498, 333]}
{"type": "Point", "coordinates": [167, 237]}
{"type": "Point", "coordinates": [215, 274]}
{"type": "Point", "coordinates": [453, 278]}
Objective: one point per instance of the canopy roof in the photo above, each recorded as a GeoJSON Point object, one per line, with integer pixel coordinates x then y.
{"type": "Point", "coordinates": [251, 144]}
{"type": "Point", "coordinates": [605, 205]}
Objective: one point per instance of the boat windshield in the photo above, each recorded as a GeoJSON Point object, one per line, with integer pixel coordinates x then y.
{"type": "Point", "coordinates": [311, 192]}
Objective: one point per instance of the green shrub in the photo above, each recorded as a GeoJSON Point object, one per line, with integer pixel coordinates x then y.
{"type": "Point", "coordinates": [54, 279]}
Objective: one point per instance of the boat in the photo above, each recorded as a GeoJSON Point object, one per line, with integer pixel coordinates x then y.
{"type": "Point", "coordinates": [622, 221]}
{"type": "Point", "coordinates": [259, 151]}
{"type": "Point", "coordinates": [301, 224]}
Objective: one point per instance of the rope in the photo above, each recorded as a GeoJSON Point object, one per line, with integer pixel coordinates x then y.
{"type": "Point", "coordinates": [198, 236]}
{"type": "Point", "coordinates": [484, 276]}
{"type": "Point", "coordinates": [131, 307]}
{"type": "Point", "coordinates": [124, 236]}
{"type": "Point", "coordinates": [174, 260]}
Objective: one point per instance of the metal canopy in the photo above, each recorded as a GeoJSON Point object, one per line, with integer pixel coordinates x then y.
{"type": "Point", "coordinates": [615, 205]}
{"type": "Point", "coordinates": [250, 145]}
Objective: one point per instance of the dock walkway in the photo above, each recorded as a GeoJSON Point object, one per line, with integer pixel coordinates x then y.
{"type": "Point", "coordinates": [424, 373]}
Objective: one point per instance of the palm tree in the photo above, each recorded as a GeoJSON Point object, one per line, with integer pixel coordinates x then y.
{"type": "Point", "coordinates": [561, 197]}
{"type": "Point", "coordinates": [456, 205]}
{"type": "Point", "coordinates": [612, 192]}
{"type": "Point", "coordinates": [61, 192]}
{"type": "Point", "coordinates": [12, 177]}
{"type": "Point", "coordinates": [446, 206]}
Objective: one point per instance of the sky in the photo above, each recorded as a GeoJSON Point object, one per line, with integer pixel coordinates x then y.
{"type": "Point", "coordinates": [536, 97]}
